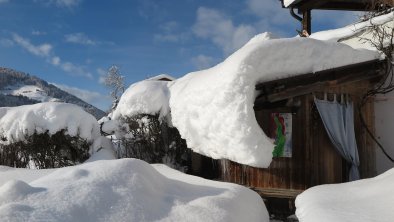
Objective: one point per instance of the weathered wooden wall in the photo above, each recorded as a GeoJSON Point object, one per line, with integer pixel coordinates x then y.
{"type": "Point", "coordinates": [314, 160]}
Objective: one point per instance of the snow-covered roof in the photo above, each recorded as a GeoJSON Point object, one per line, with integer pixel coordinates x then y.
{"type": "Point", "coordinates": [145, 97]}
{"type": "Point", "coordinates": [287, 3]}
{"type": "Point", "coordinates": [354, 35]}
{"type": "Point", "coordinates": [213, 108]}
{"type": "Point", "coordinates": [17, 122]}
{"type": "Point", "coordinates": [162, 77]}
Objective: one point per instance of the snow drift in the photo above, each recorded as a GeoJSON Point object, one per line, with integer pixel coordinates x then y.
{"type": "Point", "coordinates": [21, 121]}
{"type": "Point", "coordinates": [363, 200]}
{"type": "Point", "coordinates": [125, 190]}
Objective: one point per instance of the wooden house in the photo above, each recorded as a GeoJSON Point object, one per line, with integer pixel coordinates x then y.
{"type": "Point", "coordinates": [313, 160]}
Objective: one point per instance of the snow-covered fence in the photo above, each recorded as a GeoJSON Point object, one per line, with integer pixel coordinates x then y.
{"type": "Point", "coordinates": [46, 135]}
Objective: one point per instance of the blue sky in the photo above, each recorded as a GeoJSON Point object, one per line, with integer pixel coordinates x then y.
{"type": "Point", "coordinates": [72, 43]}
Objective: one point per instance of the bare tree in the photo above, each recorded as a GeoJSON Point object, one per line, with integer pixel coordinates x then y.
{"type": "Point", "coordinates": [115, 81]}
{"type": "Point", "coordinates": [381, 37]}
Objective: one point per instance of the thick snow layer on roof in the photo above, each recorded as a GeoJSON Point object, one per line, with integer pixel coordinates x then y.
{"type": "Point", "coordinates": [286, 3]}
{"type": "Point", "coordinates": [213, 108]}
{"type": "Point", "coordinates": [17, 122]}
{"type": "Point", "coordinates": [145, 97]}
{"type": "Point", "coordinates": [354, 34]}
{"type": "Point", "coordinates": [161, 77]}
{"type": "Point", "coordinates": [363, 200]}
{"type": "Point", "coordinates": [125, 190]}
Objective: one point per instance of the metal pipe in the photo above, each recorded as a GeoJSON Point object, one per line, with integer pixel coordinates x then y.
{"type": "Point", "coordinates": [294, 15]}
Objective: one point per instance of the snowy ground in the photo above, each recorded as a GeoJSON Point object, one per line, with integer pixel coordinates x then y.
{"type": "Point", "coordinates": [362, 200]}
{"type": "Point", "coordinates": [122, 190]}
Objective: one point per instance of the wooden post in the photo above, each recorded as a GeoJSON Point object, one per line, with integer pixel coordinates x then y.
{"type": "Point", "coordinates": [306, 21]}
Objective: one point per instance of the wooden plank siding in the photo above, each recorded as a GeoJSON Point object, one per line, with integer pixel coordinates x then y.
{"type": "Point", "coordinates": [314, 160]}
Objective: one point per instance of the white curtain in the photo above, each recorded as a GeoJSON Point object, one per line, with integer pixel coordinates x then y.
{"type": "Point", "coordinates": [338, 119]}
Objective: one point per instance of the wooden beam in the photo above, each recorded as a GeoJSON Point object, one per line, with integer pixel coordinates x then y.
{"type": "Point", "coordinates": [348, 5]}
{"type": "Point", "coordinates": [318, 86]}
{"type": "Point", "coordinates": [324, 75]}
{"type": "Point", "coordinates": [306, 21]}
{"type": "Point", "coordinates": [278, 90]}
{"type": "Point", "coordinates": [344, 6]}
{"type": "Point", "coordinates": [276, 192]}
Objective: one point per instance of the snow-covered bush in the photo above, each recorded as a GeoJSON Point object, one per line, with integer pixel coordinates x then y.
{"type": "Point", "coordinates": [43, 150]}
{"type": "Point", "coordinates": [46, 135]}
{"type": "Point", "coordinates": [146, 131]}
{"type": "Point", "coordinates": [154, 141]}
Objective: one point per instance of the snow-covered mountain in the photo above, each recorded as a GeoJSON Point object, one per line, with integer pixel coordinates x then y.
{"type": "Point", "coordinates": [18, 88]}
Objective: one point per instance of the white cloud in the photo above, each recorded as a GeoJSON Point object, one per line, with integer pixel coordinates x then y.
{"type": "Point", "coordinates": [67, 3]}
{"type": "Point", "coordinates": [42, 50]}
{"type": "Point", "coordinates": [55, 61]}
{"type": "Point", "coordinates": [272, 15]}
{"type": "Point", "coordinates": [6, 42]}
{"type": "Point", "coordinates": [167, 37]}
{"type": "Point", "coordinates": [149, 9]}
{"type": "Point", "coordinates": [214, 25]}
{"type": "Point", "coordinates": [270, 10]}
{"type": "Point", "coordinates": [169, 26]}
{"type": "Point", "coordinates": [102, 73]}
{"type": "Point", "coordinates": [4, 1]}
{"type": "Point", "coordinates": [203, 61]}
{"type": "Point", "coordinates": [36, 32]}
{"type": "Point", "coordinates": [91, 97]}
{"type": "Point", "coordinates": [79, 38]}
{"type": "Point", "coordinates": [75, 70]}
{"type": "Point", "coordinates": [170, 33]}
{"type": "Point", "coordinates": [61, 3]}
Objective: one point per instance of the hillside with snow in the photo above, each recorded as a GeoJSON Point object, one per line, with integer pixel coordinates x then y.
{"type": "Point", "coordinates": [18, 88]}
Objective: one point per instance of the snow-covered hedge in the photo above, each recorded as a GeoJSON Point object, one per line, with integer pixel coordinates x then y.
{"type": "Point", "coordinates": [46, 135]}
{"type": "Point", "coordinates": [145, 97]}
{"type": "Point", "coordinates": [146, 137]}
{"type": "Point", "coordinates": [147, 132]}
{"type": "Point", "coordinates": [42, 151]}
